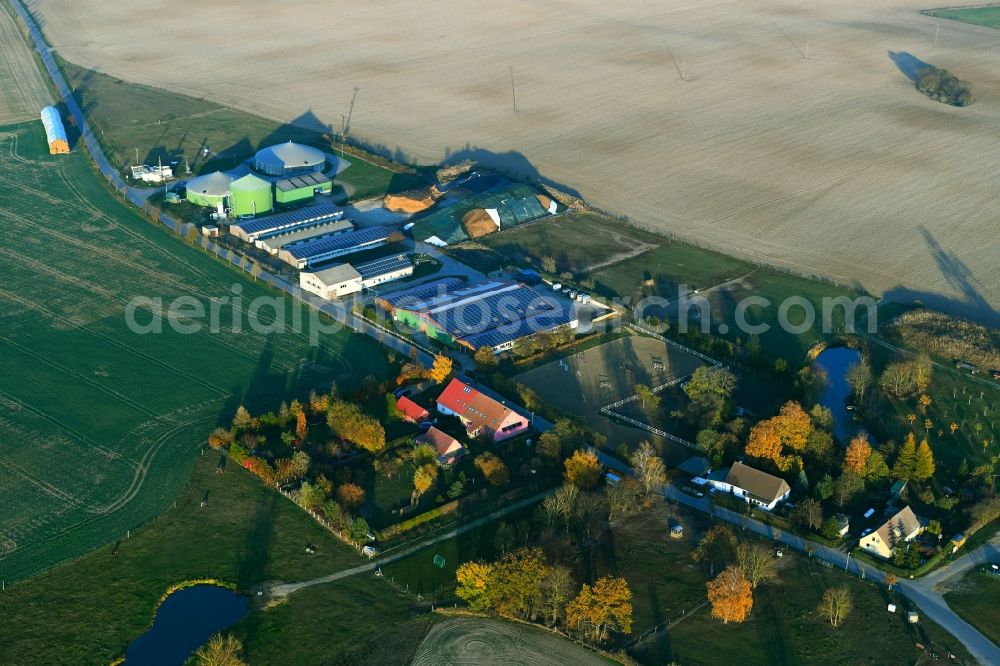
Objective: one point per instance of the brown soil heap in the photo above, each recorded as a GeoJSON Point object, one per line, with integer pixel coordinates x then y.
{"type": "Point", "coordinates": [478, 223]}
{"type": "Point", "coordinates": [412, 201]}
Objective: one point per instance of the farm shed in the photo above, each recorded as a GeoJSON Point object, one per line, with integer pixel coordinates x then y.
{"type": "Point", "coordinates": [447, 447]}
{"type": "Point", "coordinates": [386, 269]}
{"type": "Point", "coordinates": [332, 282]}
{"type": "Point", "coordinates": [250, 195]}
{"type": "Point", "coordinates": [301, 188]}
{"type": "Point", "coordinates": [209, 190]}
{"type": "Point", "coordinates": [55, 133]}
{"type": "Point", "coordinates": [289, 159]}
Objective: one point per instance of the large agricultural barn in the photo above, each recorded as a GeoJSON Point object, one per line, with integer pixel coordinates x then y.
{"type": "Point", "coordinates": [55, 133]}
{"type": "Point", "coordinates": [289, 159]}
{"type": "Point", "coordinates": [495, 313]}
{"type": "Point", "coordinates": [250, 230]}
{"type": "Point", "coordinates": [275, 240]}
{"type": "Point", "coordinates": [313, 251]}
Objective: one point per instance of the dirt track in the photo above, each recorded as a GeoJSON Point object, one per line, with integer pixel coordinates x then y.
{"type": "Point", "coordinates": [830, 163]}
{"type": "Point", "coordinates": [22, 90]}
{"type": "Point", "coordinates": [474, 640]}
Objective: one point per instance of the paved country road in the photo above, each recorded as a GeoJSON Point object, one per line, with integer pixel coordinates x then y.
{"type": "Point", "coordinates": [926, 593]}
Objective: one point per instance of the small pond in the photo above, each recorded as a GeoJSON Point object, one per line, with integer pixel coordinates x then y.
{"type": "Point", "coordinates": [184, 622]}
{"type": "Point", "coordinates": [834, 362]}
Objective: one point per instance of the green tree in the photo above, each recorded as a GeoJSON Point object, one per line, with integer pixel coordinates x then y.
{"type": "Point", "coordinates": [825, 487]}
{"type": "Point", "coordinates": [831, 529]}
{"type": "Point", "coordinates": [905, 461]}
{"type": "Point", "coordinates": [486, 359]}
{"type": "Point", "coordinates": [709, 390]}
{"type": "Point", "coordinates": [646, 396]}
{"type": "Point", "coordinates": [359, 530]}
{"type": "Point", "coordinates": [923, 463]}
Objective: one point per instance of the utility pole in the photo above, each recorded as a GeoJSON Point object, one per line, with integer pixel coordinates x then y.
{"type": "Point", "coordinates": [806, 56]}
{"type": "Point", "coordinates": [937, 29]}
{"type": "Point", "coordinates": [513, 90]}
{"type": "Point", "coordinates": [343, 130]}
{"type": "Point", "coordinates": [684, 64]}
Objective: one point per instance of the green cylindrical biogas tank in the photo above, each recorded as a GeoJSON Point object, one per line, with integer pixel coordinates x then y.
{"type": "Point", "coordinates": [208, 190]}
{"type": "Point", "coordinates": [250, 195]}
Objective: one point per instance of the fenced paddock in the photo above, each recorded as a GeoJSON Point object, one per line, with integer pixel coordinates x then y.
{"type": "Point", "coordinates": [591, 379]}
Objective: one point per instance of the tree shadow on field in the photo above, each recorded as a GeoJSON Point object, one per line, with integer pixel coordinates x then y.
{"type": "Point", "coordinates": [511, 163]}
{"type": "Point", "coordinates": [908, 64]}
{"type": "Point", "coordinates": [973, 304]}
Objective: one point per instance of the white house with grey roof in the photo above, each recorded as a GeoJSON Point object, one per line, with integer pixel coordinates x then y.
{"type": "Point", "coordinates": [751, 485]}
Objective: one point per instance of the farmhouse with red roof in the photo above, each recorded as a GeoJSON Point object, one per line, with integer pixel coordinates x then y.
{"type": "Point", "coordinates": [482, 415]}
{"type": "Point", "coordinates": [411, 411]}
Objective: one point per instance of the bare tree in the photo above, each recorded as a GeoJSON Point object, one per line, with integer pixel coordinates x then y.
{"type": "Point", "coordinates": [649, 469]}
{"type": "Point", "coordinates": [756, 562]}
{"type": "Point", "coordinates": [836, 605]}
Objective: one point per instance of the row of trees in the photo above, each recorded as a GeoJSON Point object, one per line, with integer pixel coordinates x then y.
{"type": "Point", "coordinates": [523, 585]}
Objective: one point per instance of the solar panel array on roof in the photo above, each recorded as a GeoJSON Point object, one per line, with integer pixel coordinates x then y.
{"type": "Point", "coordinates": [373, 269]}
{"type": "Point", "coordinates": [501, 335]}
{"type": "Point", "coordinates": [423, 292]}
{"type": "Point", "coordinates": [298, 182]}
{"type": "Point", "coordinates": [310, 249]}
{"type": "Point", "coordinates": [470, 316]}
{"type": "Point", "coordinates": [291, 218]}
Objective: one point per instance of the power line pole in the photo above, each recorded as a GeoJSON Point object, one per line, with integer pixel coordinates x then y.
{"type": "Point", "coordinates": [343, 130]}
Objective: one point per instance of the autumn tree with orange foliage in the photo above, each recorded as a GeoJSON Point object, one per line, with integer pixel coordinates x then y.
{"type": "Point", "coordinates": [583, 469]}
{"type": "Point", "coordinates": [411, 372]}
{"type": "Point", "coordinates": [730, 595]}
{"type": "Point", "coordinates": [301, 427]}
{"type": "Point", "coordinates": [441, 369]}
{"type": "Point", "coordinates": [781, 438]}
{"type": "Point", "coordinates": [351, 496]}
{"type": "Point", "coordinates": [857, 454]}
{"type": "Point", "coordinates": [604, 607]}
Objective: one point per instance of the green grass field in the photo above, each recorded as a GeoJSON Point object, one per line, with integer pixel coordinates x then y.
{"type": "Point", "coordinates": [615, 260]}
{"type": "Point", "coordinates": [99, 425]}
{"type": "Point", "coordinates": [87, 611]}
{"type": "Point", "coordinates": [988, 16]}
{"type": "Point", "coordinates": [975, 600]}
{"type": "Point", "coordinates": [162, 125]}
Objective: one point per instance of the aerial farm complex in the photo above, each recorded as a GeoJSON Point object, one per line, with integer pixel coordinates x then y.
{"type": "Point", "coordinates": [359, 369]}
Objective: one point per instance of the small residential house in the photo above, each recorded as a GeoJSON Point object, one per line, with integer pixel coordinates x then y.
{"type": "Point", "coordinates": [752, 485]}
{"type": "Point", "coordinates": [481, 415]}
{"type": "Point", "coordinates": [901, 528]}
{"type": "Point", "coordinates": [411, 411]}
{"type": "Point", "coordinates": [448, 448]}
{"type": "Point", "coordinates": [695, 466]}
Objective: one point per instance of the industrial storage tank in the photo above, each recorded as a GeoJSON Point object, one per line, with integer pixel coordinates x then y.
{"type": "Point", "coordinates": [287, 159]}
{"type": "Point", "coordinates": [55, 133]}
{"type": "Point", "coordinates": [209, 190]}
{"type": "Point", "coordinates": [250, 195]}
